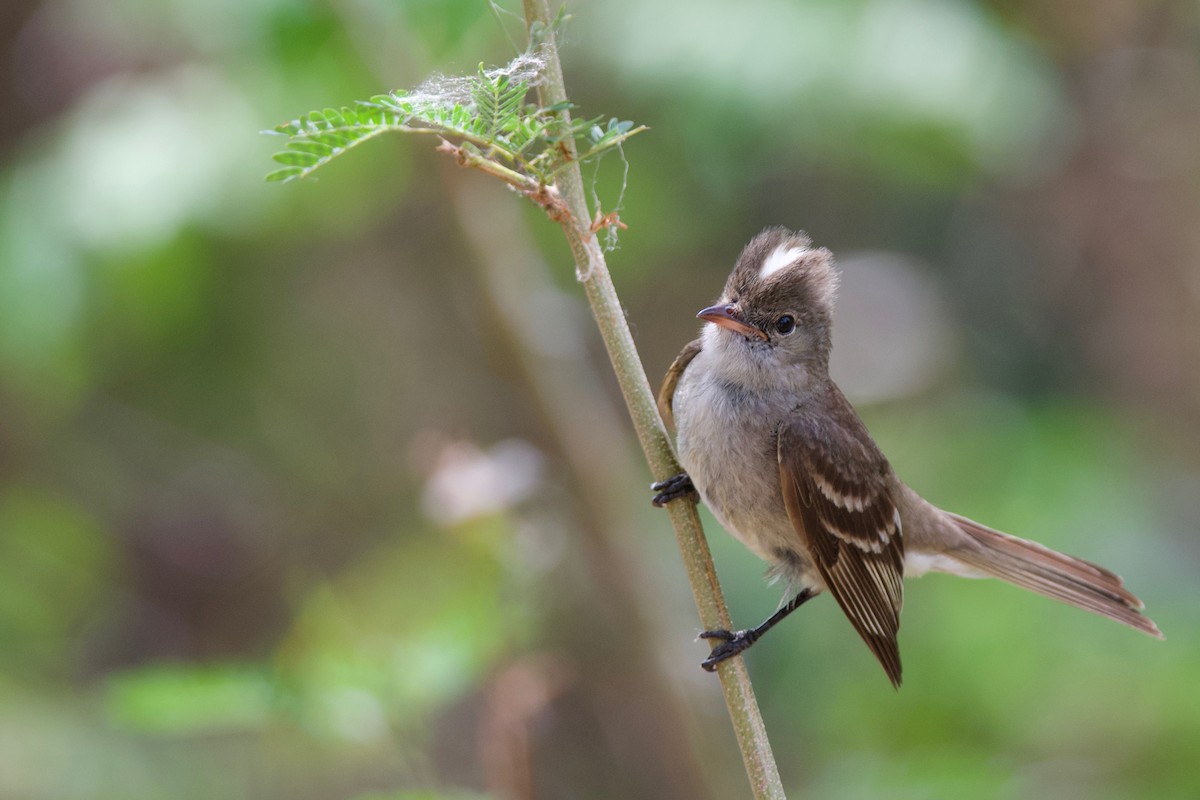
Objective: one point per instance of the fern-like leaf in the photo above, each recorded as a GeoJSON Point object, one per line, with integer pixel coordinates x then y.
{"type": "Point", "coordinates": [485, 115]}
{"type": "Point", "coordinates": [320, 136]}
{"type": "Point", "coordinates": [498, 102]}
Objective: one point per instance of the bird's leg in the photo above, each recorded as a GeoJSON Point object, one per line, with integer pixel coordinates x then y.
{"type": "Point", "coordinates": [734, 642]}
{"type": "Point", "coordinates": [673, 488]}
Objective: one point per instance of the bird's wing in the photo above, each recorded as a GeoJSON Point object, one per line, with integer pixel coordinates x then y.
{"type": "Point", "coordinates": [836, 488]}
{"type": "Point", "coordinates": [666, 395]}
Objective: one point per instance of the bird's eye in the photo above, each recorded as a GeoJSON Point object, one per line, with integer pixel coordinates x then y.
{"type": "Point", "coordinates": [785, 324]}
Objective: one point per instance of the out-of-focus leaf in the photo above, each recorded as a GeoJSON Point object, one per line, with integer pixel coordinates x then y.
{"type": "Point", "coordinates": [191, 698]}
{"type": "Point", "coordinates": [410, 628]}
{"type": "Point", "coordinates": [55, 566]}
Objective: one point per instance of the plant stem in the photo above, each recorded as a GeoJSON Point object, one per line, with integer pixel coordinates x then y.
{"type": "Point", "coordinates": [610, 317]}
{"type": "Point", "coordinates": [563, 385]}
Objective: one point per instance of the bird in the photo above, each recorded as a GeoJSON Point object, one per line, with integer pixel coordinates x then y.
{"type": "Point", "coordinates": [779, 455]}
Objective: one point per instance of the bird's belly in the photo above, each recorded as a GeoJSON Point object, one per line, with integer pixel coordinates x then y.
{"type": "Point", "coordinates": [727, 444]}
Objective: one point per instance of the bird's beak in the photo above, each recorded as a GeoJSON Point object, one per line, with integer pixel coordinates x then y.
{"type": "Point", "coordinates": [727, 316]}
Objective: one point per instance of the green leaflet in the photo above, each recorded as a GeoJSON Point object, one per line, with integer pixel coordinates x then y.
{"type": "Point", "coordinates": [491, 117]}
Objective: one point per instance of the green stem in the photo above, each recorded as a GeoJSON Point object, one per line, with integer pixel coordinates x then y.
{"type": "Point", "coordinates": [610, 317]}
{"type": "Point", "coordinates": [481, 162]}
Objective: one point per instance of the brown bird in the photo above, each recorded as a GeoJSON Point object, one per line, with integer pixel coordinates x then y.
{"type": "Point", "coordinates": [786, 465]}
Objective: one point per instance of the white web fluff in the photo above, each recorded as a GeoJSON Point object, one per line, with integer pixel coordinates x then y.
{"type": "Point", "coordinates": [442, 91]}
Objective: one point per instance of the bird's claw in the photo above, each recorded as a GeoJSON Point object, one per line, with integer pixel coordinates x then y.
{"type": "Point", "coordinates": [732, 643]}
{"type": "Point", "coordinates": [673, 488]}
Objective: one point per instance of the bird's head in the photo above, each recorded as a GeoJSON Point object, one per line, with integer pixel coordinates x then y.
{"type": "Point", "coordinates": [777, 306]}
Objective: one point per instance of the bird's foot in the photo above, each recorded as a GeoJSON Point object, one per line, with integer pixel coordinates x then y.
{"type": "Point", "coordinates": [673, 488]}
{"type": "Point", "coordinates": [732, 643]}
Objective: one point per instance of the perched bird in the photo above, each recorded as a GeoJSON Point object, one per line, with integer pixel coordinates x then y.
{"type": "Point", "coordinates": [785, 464]}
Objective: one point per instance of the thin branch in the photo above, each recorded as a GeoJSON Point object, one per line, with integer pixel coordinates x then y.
{"type": "Point", "coordinates": [544, 195]}
{"type": "Point", "coordinates": [562, 386]}
{"type": "Point", "coordinates": [610, 317]}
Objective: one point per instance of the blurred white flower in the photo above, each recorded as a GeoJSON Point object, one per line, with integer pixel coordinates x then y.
{"type": "Point", "coordinates": [468, 482]}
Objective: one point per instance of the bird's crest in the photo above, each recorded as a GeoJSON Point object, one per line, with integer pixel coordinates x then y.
{"type": "Point", "coordinates": [780, 268]}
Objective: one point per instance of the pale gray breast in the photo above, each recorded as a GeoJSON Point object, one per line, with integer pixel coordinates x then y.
{"type": "Point", "coordinates": [727, 444]}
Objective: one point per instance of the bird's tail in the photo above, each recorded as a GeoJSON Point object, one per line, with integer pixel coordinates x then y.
{"type": "Point", "coordinates": [1072, 580]}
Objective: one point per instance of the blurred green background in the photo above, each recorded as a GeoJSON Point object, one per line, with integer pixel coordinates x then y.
{"type": "Point", "coordinates": [323, 490]}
